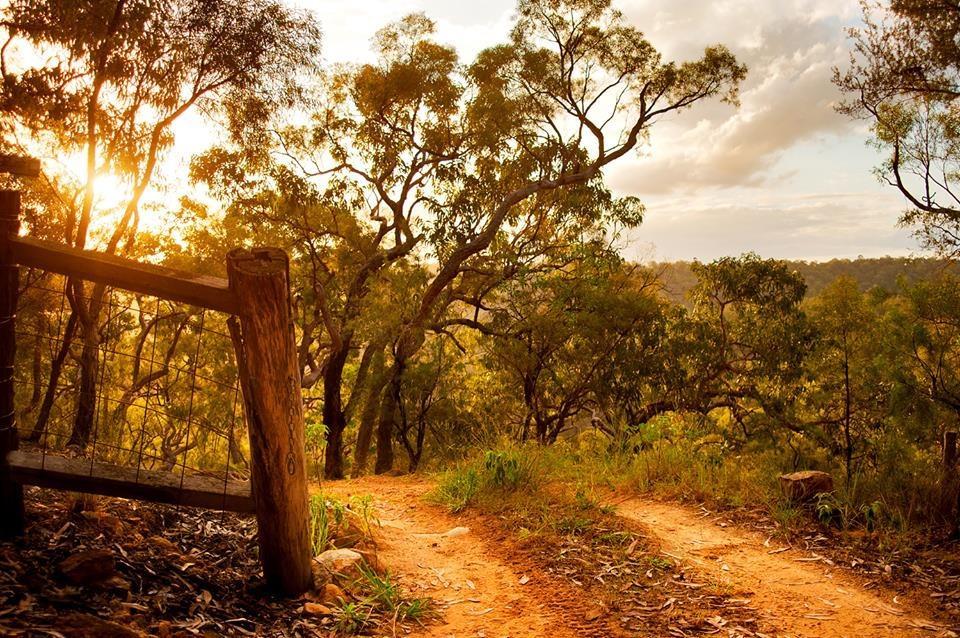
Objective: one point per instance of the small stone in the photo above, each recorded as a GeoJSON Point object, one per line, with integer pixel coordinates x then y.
{"type": "Point", "coordinates": [332, 594]}
{"type": "Point", "coordinates": [88, 567]}
{"type": "Point", "coordinates": [316, 609]}
{"type": "Point", "coordinates": [105, 521]}
{"type": "Point", "coordinates": [343, 562]}
{"type": "Point", "coordinates": [321, 575]}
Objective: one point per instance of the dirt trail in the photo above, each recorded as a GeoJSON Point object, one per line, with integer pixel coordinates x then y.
{"type": "Point", "coordinates": [795, 591]}
{"type": "Point", "coordinates": [480, 593]}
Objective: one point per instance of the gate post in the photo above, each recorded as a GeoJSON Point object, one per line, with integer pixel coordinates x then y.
{"type": "Point", "coordinates": [270, 381]}
{"type": "Point", "coordinates": [11, 492]}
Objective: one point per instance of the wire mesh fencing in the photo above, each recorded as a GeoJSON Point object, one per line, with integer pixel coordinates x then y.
{"type": "Point", "coordinates": [126, 380]}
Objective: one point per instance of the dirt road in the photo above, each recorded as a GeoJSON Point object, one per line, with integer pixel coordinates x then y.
{"type": "Point", "coordinates": [435, 555]}
{"type": "Point", "coordinates": [485, 590]}
{"type": "Point", "coordinates": [794, 590]}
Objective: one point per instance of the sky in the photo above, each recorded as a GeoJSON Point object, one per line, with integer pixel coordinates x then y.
{"type": "Point", "coordinates": [783, 175]}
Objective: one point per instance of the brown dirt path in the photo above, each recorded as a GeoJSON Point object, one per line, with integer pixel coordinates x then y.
{"type": "Point", "coordinates": [793, 590]}
{"type": "Point", "coordinates": [480, 594]}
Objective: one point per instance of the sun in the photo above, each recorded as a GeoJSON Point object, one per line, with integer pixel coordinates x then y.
{"type": "Point", "coordinates": [112, 195]}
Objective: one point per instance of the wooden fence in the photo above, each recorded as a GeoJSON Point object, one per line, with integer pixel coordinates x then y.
{"type": "Point", "coordinates": [256, 295]}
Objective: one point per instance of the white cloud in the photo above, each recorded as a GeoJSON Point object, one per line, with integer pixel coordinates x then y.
{"type": "Point", "coordinates": [820, 226]}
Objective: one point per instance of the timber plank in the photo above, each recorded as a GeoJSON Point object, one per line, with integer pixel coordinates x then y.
{"type": "Point", "coordinates": [79, 475]}
{"type": "Point", "coordinates": [19, 165]}
{"type": "Point", "coordinates": [198, 290]}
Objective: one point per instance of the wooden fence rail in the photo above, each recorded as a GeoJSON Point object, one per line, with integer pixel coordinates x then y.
{"type": "Point", "coordinates": [257, 293]}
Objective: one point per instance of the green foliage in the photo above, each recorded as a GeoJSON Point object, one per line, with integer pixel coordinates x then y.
{"type": "Point", "coordinates": [494, 474]}
{"type": "Point", "coordinates": [382, 598]}
{"type": "Point", "coordinates": [502, 470]}
{"type": "Point", "coordinates": [321, 523]}
{"type": "Point", "coordinates": [458, 488]}
{"type": "Point", "coordinates": [902, 78]}
{"type": "Point", "coordinates": [328, 516]}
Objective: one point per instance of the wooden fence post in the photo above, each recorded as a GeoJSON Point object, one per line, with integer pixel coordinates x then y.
{"type": "Point", "coordinates": [270, 380]}
{"type": "Point", "coordinates": [11, 492]}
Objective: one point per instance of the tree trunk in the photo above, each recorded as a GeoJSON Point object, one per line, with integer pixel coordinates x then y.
{"type": "Point", "coordinates": [270, 380]}
{"type": "Point", "coordinates": [56, 367]}
{"type": "Point", "coordinates": [333, 417]}
{"type": "Point", "coordinates": [368, 417]}
{"type": "Point", "coordinates": [847, 416]}
{"type": "Point", "coordinates": [385, 428]}
{"type": "Point", "coordinates": [87, 395]}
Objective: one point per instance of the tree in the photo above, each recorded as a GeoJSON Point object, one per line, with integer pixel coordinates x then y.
{"type": "Point", "coordinates": [109, 79]}
{"type": "Point", "coordinates": [417, 156]}
{"type": "Point", "coordinates": [554, 338]}
{"type": "Point", "coordinates": [848, 394]}
{"type": "Point", "coordinates": [574, 90]}
{"type": "Point", "coordinates": [904, 78]}
{"type": "Point", "coordinates": [740, 348]}
{"type": "Point", "coordinates": [349, 193]}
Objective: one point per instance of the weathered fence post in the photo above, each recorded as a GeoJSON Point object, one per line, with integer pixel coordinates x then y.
{"type": "Point", "coordinates": [11, 492]}
{"type": "Point", "coordinates": [270, 379]}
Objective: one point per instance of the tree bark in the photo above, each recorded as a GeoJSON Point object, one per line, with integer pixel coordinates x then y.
{"type": "Point", "coordinates": [270, 379]}
{"type": "Point", "coordinates": [333, 417]}
{"type": "Point", "coordinates": [56, 367]}
{"type": "Point", "coordinates": [368, 417]}
{"type": "Point", "coordinates": [87, 394]}
{"type": "Point", "coordinates": [385, 428]}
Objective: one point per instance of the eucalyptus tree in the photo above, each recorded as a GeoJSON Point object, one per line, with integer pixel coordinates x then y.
{"type": "Point", "coordinates": [107, 79]}
{"type": "Point", "coordinates": [848, 393]}
{"type": "Point", "coordinates": [348, 192]}
{"type": "Point", "coordinates": [554, 338]}
{"type": "Point", "coordinates": [904, 78]}
{"type": "Point", "coordinates": [739, 350]}
{"type": "Point", "coordinates": [431, 160]}
{"type": "Point", "coordinates": [574, 89]}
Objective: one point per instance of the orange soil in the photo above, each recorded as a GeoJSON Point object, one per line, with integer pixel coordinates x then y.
{"type": "Point", "coordinates": [794, 590]}
{"type": "Point", "coordinates": [479, 594]}
{"type": "Point", "coordinates": [484, 590]}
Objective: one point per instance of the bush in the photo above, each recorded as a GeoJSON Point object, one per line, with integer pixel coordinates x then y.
{"type": "Point", "coordinates": [500, 472]}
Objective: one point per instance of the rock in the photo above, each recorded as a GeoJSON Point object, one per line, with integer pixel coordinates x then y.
{"type": "Point", "coordinates": [332, 594]}
{"type": "Point", "coordinates": [78, 502]}
{"type": "Point", "coordinates": [106, 521]}
{"type": "Point", "coordinates": [87, 626]}
{"type": "Point", "coordinates": [89, 567]}
{"type": "Point", "coordinates": [316, 609]}
{"type": "Point", "coordinates": [456, 531]}
{"type": "Point", "coordinates": [342, 562]}
{"type": "Point", "coordinates": [801, 487]}
{"type": "Point", "coordinates": [371, 559]}
{"type": "Point", "coordinates": [321, 575]}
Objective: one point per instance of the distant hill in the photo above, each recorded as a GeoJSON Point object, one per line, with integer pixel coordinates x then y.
{"type": "Point", "coordinates": [678, 279]}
